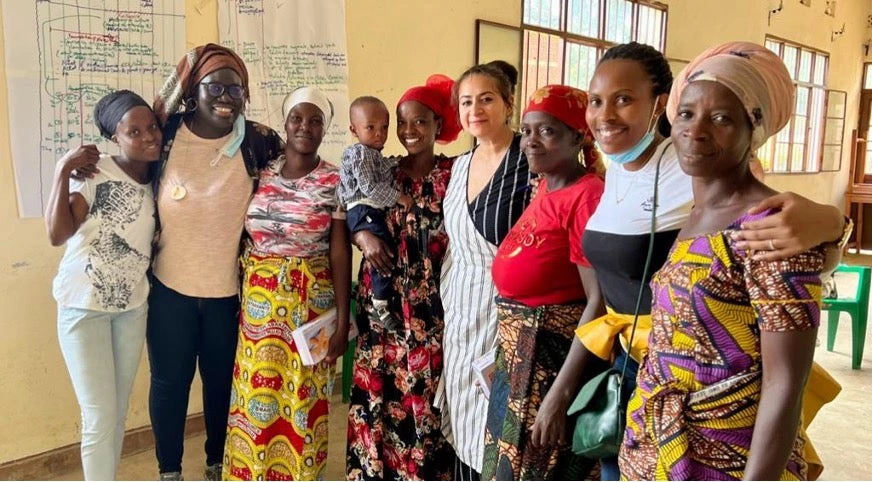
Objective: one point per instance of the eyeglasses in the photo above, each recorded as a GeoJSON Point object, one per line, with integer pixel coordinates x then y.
{"type": "Point", "coordinates": [216, 89]}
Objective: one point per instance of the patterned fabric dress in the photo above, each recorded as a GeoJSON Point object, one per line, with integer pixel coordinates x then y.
{"type": "Point", "coordinates": [533, 344]}
{"type": "Point", "coordinates": [541, 300]}
{"type": "Point", "coordinates": [277, 429]}
{"type": "Point", "coordinates": [393, 429]}
{"type": "Point", "coordinates": [693, 413]}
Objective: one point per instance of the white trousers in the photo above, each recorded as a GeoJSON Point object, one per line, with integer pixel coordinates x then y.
{"type": "Point", "coordinates": [102, 352]}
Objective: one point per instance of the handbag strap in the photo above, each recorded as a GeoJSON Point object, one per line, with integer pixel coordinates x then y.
{"type": "Point", "coordinates": [647, 268]}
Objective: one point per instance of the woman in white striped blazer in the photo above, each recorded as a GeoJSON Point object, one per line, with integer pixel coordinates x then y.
{"type": "Point", "coordinates": [488, 191]}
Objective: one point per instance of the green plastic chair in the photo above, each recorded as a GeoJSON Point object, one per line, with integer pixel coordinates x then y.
{"type": "Point", "coordinates": [856, 306]}
{"type": "Point", "coordinates": [348, 357]}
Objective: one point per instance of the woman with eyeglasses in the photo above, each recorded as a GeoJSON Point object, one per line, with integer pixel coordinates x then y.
{"type": "Point", "coordinates": [206, 175]}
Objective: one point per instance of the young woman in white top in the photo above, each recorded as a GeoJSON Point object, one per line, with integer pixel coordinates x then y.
{"type": "Point", "coordinates": [101, 287]}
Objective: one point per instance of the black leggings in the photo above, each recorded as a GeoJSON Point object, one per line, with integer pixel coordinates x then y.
{"type": "Point", "coordinates": [180, 330]}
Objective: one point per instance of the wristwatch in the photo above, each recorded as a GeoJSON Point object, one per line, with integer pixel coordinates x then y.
{"type": "Point", "coordinates": [846, 233]}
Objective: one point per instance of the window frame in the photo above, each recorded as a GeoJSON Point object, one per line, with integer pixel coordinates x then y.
{"type": "Point", "coordinates": [567, 38]}
{"type": "Point", "coordinates": [812, 143]}
{"type": "Point", "coordinates": [867, 70]}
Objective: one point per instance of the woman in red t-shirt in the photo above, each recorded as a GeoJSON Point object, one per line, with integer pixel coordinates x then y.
{"type": "Point", "coordinates": [546, 290]}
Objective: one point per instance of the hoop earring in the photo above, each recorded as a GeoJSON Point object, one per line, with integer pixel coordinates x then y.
{"type": "Point", "coordinates": [190, 105]}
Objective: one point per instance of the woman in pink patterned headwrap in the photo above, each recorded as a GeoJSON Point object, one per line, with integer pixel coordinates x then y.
{"type": "Point", "coordinates": [719, 394]}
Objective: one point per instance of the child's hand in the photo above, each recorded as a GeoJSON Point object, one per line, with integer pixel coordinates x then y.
{"type": "Point", "coordinates": [80, 159]}
{"type": "Point", "coordinates": [405, 201]}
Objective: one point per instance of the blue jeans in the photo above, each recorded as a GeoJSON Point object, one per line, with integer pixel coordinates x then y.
{"type": "Point", "coordinates": [610, 469]}
{"type": "Point", "coordinates": [102, 352]}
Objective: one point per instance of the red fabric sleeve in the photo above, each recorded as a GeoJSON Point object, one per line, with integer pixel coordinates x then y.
{"type": "Point", "coordinates": [583, 207]}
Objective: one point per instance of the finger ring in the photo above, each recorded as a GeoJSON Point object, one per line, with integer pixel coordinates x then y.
{"type": "Point", "coordinates": [772, 245]}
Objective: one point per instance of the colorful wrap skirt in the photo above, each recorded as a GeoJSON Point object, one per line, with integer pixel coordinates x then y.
{"type": "Point", "coordinates": [675, 435]}
{"type": "Point", "coordinates": [533, 343]}
{"type": "Point", "coordinates": [277, 428]}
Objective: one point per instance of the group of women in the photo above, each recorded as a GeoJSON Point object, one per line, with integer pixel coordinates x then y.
{"type": "Point", "coordinates": [547, 271]}
{"type": "Point", "coordinates": [522, 276]}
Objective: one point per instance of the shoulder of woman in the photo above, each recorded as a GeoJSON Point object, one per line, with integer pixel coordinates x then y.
{"type": "Point", "coordinates": [328, 168]}
{"type": "Point", "coordinates": [445, 162]}
{"type": "Point", "coordinates": [465, 155]}
{"type": "Point", "coordinates": [274, 166]}
{"type": "Point", "coordinates": [256, 128]}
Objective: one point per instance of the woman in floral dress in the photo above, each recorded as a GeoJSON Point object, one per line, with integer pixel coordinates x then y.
{"type": "Point", "coordinates": [394, 431]}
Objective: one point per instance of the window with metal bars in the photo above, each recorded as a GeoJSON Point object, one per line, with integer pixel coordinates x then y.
{"type": "Point", "coordinates": [563, 39]}
{"type": "Point", "coordinates": [798, 147]}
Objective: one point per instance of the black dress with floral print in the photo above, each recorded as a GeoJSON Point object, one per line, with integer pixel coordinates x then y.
{"type": "Point", "coordinates": [394, 431]}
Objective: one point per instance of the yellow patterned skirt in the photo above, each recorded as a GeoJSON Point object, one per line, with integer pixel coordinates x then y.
{"type": "Point", "coordinates": [277, 428]}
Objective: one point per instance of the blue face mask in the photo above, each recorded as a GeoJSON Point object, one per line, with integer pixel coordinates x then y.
{"type": "Point", "coordinates": [634, 152]}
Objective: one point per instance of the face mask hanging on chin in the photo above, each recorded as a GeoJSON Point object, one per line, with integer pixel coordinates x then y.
{"type": "Point", "coordinates": [634, 152]}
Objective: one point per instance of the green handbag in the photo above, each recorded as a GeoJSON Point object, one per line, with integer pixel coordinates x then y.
{"type": "Point", "coordinates": [599, 426]}
{"type": "Point", "coordinates": [599, 410]}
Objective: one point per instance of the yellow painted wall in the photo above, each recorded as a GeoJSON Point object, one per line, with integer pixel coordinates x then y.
{"type": "Point", "coordinates": [392, 45]}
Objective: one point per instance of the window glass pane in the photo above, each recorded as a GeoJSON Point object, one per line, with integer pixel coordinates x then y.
{"type": "Point", "coordinates": [790, 54]}
{"type": "Point", "coordinates": [796, 157]}
{"type": "Point", "coordinates": [544, 13]}
{"type": "Point", "coordinates": [531, 10]}
{"type": "Point", "coordinates": [802, 94]}
{"type": "Point", "coordinates": [580, 64]}
{"type": "Point", "coordinates": [815, 132]}
{"type": "Point", "coordinates": [805, 66]}
{"type": "Point", "coordinates": [584, 17]}
{"type": "Point", "coordinates": [773, 46]}
{"type": "Point", "coordinates": [820, 68]}
{"type": "Point", "coordinates": [868, 167]}
{"type": "Point", "coordinates": [645, 27]}
{"type": "Point", "coordinates": [780, 158]}
{"type": "Point", "coordinates": [542, 61]}
{"type": "Point", "coordinates": [784, 134]}
{"type": "Point", "coordinates": [657, 39]}
{"type": "Point", "coordinates": [867, 83]}
{"type": "Point", "coordinates": [619, 21]}
{"type": "Point", "coordinates": [799, 125]}
{"type": "Point", "coordinates": [764, 153]}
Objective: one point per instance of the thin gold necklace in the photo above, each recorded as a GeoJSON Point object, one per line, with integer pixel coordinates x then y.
{"type": "Point", "coordinates": [620, 199]}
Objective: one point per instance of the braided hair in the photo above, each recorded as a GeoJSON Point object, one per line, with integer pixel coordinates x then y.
{"type": "Point", "coordinates": [653, 63]}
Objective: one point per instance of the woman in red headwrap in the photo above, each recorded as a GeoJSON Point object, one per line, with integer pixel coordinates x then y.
{"type": "Point", "coordinates": [394, 432]}
{"type": "Point", "coordinates": [204, 180]}
{"type": "Point", "coordinates": [546, 288]}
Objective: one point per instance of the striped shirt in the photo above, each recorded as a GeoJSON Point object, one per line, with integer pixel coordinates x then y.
{"type": "Point", "coordinates": [497, 207]}
{"type": "Point", "coordinates": [467, 290]}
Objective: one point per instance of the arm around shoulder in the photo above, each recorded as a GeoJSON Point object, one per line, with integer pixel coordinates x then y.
{"type": "Point", "coordinates": [799, 225]}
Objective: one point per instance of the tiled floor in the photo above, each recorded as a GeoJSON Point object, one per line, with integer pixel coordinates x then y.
{"type": "Point", "coordinates": [841, 431]}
